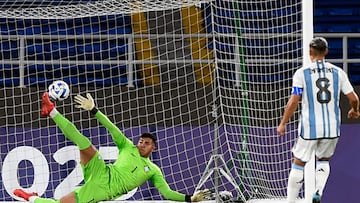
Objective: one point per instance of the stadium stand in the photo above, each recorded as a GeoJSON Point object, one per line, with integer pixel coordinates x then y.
{"type": "Point", "coordinates": [334, 16]}
{"type": "Point", "coordinates": [329, 17]}
{"type": "Point", "coordinates": [43, 50]}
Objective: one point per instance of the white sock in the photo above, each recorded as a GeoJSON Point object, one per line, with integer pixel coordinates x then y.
{"type": "Point", "coordinates": [321, 174]}
{"type": "Point", "coordinates": [53, 113]}
{"type": "Point", "coordinates": [33, 198]}
{"type": "Point", "coordinates": [295, 182]}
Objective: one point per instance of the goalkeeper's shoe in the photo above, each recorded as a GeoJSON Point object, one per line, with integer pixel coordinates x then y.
{"type": "Point", "coordinates": [316, 198]}
{"type": "Point", "coordinates": [47, 105]}
{"type": "Point", "coordinates": [25, 195]}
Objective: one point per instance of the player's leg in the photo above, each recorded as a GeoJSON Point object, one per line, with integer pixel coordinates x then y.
{"type": "Point", "coordinates": [87, 150]}
{"type": "Point", "coordinates": [324, 152]}
{"type": "Point", "coordinates": [87, 153]}
{"type": "Point", "coordinates": [295, 180]}
{"type": "Point", "coordinates": [69, 198]}
{"type": "Point", "coordinates": [34, 198]}
{"type": "Point", "coordinates": [95, 188]}
{"type": "Point", "coordinates": [90, 192]}
{"type": "Point", "coordinates": [302, 151]}
{"type": "Point", "coordinates": [322, 174]}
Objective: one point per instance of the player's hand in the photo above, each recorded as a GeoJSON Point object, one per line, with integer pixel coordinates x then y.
{"type": "Point", "coordinates": [281, 130]}
{"type": "Point", "coordinates": [200, 195]}
{"type": "Point", "coordinates": [353, 114]}
{"type": "Point", "coordinates": [84, 103]}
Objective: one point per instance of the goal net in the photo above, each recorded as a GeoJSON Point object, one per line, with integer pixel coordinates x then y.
{"type": "Point", "coordinates": [209, 79]}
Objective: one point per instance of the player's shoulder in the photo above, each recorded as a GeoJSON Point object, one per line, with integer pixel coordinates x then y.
{"type": "Point", "coordinates": [154, 167]}
{"type": "Point", "coordinates": [299, 72]}
{"type": "Point", "coordinates": [302, 69]}
{"type": "Point", "coordinates": [333, 66]}
{"type": "Point", "coordinates": [336, 68]}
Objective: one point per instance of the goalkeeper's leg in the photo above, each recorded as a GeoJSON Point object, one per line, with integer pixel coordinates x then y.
{"type": "Point", "coordinates": [87, 150]}
{"type": "Point", "coordinates": [34, 198]}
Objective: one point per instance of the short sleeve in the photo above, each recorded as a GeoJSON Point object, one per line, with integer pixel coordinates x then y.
{"type": "Point", "coordinates": [298, 80]}
{"type": "Point", "coordinates": [346, 86]}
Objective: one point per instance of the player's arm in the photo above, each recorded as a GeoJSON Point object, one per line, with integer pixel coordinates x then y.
{"type": "Point", "coordinates": [354, 103]}
{"type": "Point", "coordinates": [292, 104]}
{"type": "Point", "coordinates": [353, 98]}
{"type": "Point", "coordinates": [290, 108]}
{"type": "Point", "coordinates": [160, 183]}
{"type": "Point", "coordinates": [88, 104]}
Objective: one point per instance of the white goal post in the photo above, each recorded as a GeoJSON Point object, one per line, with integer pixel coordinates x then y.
{"type": "Point", "coordinates": [210, 79]}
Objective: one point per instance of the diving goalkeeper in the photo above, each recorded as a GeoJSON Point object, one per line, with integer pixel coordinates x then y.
{"type": "Point", "coordinates": [108, 181]}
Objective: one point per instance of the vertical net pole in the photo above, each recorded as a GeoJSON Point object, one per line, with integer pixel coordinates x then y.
{"type": "Point", "coordinates": [244, 90]}
{"type": "Point", "coordinates": [308, 30]}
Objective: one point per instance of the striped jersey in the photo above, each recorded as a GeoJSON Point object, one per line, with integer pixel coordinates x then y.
{"type": "Point", "coordinates": [320, 85]}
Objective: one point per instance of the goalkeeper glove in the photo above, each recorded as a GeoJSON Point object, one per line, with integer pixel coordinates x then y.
{"type": "Point", "coordinates": [200, 195]}
{"type": "Point", "coordinates": [85, 103]}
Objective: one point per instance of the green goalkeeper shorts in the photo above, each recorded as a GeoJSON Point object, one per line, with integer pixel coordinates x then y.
{"type": "Point", "coordinates": [96, 177]}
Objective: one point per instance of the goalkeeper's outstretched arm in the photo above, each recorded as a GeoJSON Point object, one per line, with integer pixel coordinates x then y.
{"type": "Point", "coordinates": [89, 104]}
{"type": "Point", "coordinates": [163, 187]}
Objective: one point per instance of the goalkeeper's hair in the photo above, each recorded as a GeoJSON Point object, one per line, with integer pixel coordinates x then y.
{"type": "Point", "coordinates": [149, 135]}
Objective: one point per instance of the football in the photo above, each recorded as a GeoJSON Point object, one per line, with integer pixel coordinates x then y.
{"type": "Point", "coordinates": [59, 90]}
{"type": "Point", "coordinates": [225, 195]}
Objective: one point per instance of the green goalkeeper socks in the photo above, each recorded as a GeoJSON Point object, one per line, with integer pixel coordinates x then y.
{"type": "Point", "coordinates": [70, 131]}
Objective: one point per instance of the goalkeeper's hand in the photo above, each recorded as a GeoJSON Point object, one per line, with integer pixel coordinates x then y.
{"type": "Point", "coordinates": [200, 195]}
{"type": "Point", "coordinates": [84, 103]}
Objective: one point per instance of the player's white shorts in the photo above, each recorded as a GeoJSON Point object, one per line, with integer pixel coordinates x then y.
{"type": "Point", "coordinates": [324, 148]}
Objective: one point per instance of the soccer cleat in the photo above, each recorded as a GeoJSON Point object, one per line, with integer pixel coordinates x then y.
{"type": "Point", "coordinates": [47, 105]}
{"type": "Point", "coordinates": [316, 198]}
{"type": "Point", "coordinates": [25, 195]}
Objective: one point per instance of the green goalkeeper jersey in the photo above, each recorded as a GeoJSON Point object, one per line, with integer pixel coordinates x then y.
{"type": "Point", "coordinates": [131, 170]}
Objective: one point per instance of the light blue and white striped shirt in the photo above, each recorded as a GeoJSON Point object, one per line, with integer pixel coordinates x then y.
{"type": "Point", "coordinates": [320, 85]}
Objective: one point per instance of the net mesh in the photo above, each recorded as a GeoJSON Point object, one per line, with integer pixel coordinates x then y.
{"type": "Point", "coordinates": [206, 77]}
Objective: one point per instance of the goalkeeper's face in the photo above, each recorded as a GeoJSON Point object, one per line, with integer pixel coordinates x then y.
{"type": "Point", "coordinates": [146, 146]}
